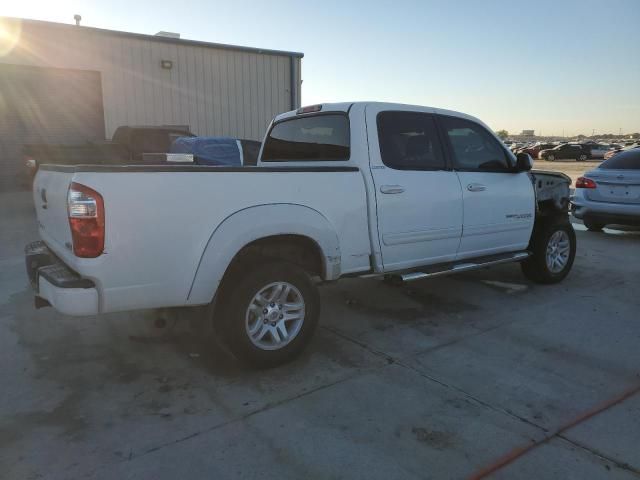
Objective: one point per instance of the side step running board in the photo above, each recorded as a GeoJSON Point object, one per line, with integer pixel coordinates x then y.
{"type": "Point", "coordinates": [436, 271]}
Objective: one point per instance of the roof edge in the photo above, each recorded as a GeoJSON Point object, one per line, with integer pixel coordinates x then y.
{"type": "Point", "coordinates": [155, 38]}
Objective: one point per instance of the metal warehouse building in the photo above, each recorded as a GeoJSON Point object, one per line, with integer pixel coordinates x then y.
{"type": "Point", "coordinates": [71, 84]}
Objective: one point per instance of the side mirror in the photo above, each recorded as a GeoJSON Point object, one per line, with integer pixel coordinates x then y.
{"type": "Point", "coordinates": [524, 162]}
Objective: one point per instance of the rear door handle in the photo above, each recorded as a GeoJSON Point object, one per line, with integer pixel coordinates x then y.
{"type": "Point", "coordinates": [391, 188]}
{"type": "Point", "coordinates": [476, 187]}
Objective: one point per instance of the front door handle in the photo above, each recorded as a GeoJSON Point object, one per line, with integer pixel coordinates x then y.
{"type": "Point", "coordinates": [391, 188]}
{"type": "Point", "coordinates": [476, 187]}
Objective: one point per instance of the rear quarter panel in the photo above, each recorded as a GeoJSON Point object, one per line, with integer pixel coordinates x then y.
{"type": "Point", "coordinates": [158, 225]}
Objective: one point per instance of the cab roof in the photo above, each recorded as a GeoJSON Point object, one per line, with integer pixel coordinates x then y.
{"type": "Point", "coordinates": [347, 106]}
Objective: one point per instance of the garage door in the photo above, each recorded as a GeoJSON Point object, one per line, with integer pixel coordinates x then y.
{"type": "Point", "coordinates": [45, 105]}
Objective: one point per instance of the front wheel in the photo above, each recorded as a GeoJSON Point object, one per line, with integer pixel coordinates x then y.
{"type": "Point", "coordinates": [582, 158]}
{"type": "Point", "coordinates": [270, 313]}
{"type": "Point", "coordinates": [551, 158]}
{"type": "Point", "coordinates": [553, 248]}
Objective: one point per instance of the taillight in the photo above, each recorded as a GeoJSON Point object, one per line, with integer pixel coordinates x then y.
{"type": "Point", "coordinates": [86, 218]}
{"type": "Point", "coordinates": [583, 182]}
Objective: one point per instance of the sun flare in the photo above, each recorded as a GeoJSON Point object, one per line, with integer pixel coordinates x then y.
{"type": "Point", "coordinates": [10, 30]}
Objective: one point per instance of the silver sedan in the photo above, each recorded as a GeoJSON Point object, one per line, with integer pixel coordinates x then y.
{"type": "Point", "coordinates": [610, 194]}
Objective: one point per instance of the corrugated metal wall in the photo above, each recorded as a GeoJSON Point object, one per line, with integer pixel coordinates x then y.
{"type": "Point", "coordinates": [215, 91]}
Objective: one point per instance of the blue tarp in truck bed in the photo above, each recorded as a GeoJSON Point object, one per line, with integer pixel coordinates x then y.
{"type": "Point", "coordinates": [210, 150]}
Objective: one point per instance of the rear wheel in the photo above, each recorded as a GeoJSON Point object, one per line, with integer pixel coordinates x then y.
{"type": "Point", "coordinates": [270, 313]}
{"type": "Point", "coordinates": [551, 158]}
{"type": "Point", "coordinates": [593, 226]}
{"type": "Point", "coordinates": [582, 158]}
{"type": "Point", "coordinates": [553, 248]}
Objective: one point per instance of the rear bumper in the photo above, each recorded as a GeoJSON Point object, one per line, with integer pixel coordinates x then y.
{"type": "Point", "coordinates": [608, 218]}
{"type": "Point", "coordinates": [57, 284]}
{"type": "Point", "coordinates": [605, 213]}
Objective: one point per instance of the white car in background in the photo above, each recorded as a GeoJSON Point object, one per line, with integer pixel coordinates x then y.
{"type": "Point", "coordinates": [609, 194]}
{"type": "Point", "coordinates": [598, 150]}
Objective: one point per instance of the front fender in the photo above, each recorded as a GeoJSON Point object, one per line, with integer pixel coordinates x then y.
{"type": "Point", "coordinates": [254, 223]}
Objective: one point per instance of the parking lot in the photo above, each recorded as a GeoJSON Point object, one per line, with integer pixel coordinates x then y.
{"type": "Point", "coordinates": [570, 168]}
{"type": "Point", "coordinates": [467, 376]}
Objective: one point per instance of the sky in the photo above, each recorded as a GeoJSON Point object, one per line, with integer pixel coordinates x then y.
{"type": "Point", "coordinates": [555, 66]}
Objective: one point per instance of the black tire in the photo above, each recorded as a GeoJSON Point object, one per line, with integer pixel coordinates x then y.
{"type": "Point", "coordinates": [593, 226]}
{"type": "Point", "coordinates": [581, 158]}
{"type": "Point", "coordinates": [535, 267]}
{"type": "Point", "coordinates": [551, 158]}
{"type": "Point", "coordinates": [237, 295]}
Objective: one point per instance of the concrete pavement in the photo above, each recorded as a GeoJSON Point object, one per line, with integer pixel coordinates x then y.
{"type": "Point", "coordinates": [480, 373]}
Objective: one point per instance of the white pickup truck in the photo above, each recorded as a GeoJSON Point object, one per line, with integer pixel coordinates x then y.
{"type": "Point", "coordinates": [348, 189]}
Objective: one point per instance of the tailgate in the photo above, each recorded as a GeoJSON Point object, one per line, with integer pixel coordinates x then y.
{"type": "Point", "coordinates": [50, 200]}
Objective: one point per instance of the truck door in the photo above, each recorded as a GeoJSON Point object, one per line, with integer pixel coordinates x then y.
{"type": "Point", "coordinates": [499, 203]}
{"type": "Point", "coordinates": [419, 200]}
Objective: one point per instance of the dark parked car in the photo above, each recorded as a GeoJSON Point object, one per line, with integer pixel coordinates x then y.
{"type": "Point", "coordinates": [128, 144]}
{"type": "Point", "coordinates": [566, 150]}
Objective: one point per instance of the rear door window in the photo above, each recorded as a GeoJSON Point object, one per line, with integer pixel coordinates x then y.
{"type": "Point", "coordinates": [409, 141]}
{"type": "Point", "coordinates": [312, 138]}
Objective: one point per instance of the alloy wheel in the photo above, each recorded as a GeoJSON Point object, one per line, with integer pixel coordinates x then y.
{"type": "Point", "coordinates": [558, 250]}
{"type": "Point", "coordinates": [275, 316]}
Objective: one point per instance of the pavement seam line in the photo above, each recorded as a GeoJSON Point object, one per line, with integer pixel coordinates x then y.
{"type": "Point", "coordinates": [392, 359]}
{"type": "Point", "coordinates": [545, 431]}
{"type": "Point", "coordinates": [474, 398]}
{"type": "Point", "coordinates": [522, 450]}
{"type": "Point", "coordinates": [400, 363]}
{"type": "Point", "coordinates": [518, 452]}
{"type": "Point", "coordinates": [265, 408]}
{"type": "Point", "coordinates": [379, 353]}
{"type": "Point", "coordinates": [621, 465]}
{"type": "Point", "coordinates": [269, 406]}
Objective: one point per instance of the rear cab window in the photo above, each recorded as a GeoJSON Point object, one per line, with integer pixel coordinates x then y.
{"type": "Point", "coordinates": [320, 137]}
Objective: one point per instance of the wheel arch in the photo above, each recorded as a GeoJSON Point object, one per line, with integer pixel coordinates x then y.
{"type": "Point", "coordinates": [247, 228]}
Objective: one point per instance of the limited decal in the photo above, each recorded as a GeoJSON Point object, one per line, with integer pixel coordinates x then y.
{"type": "Point", "coordinates": [519, 216]}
